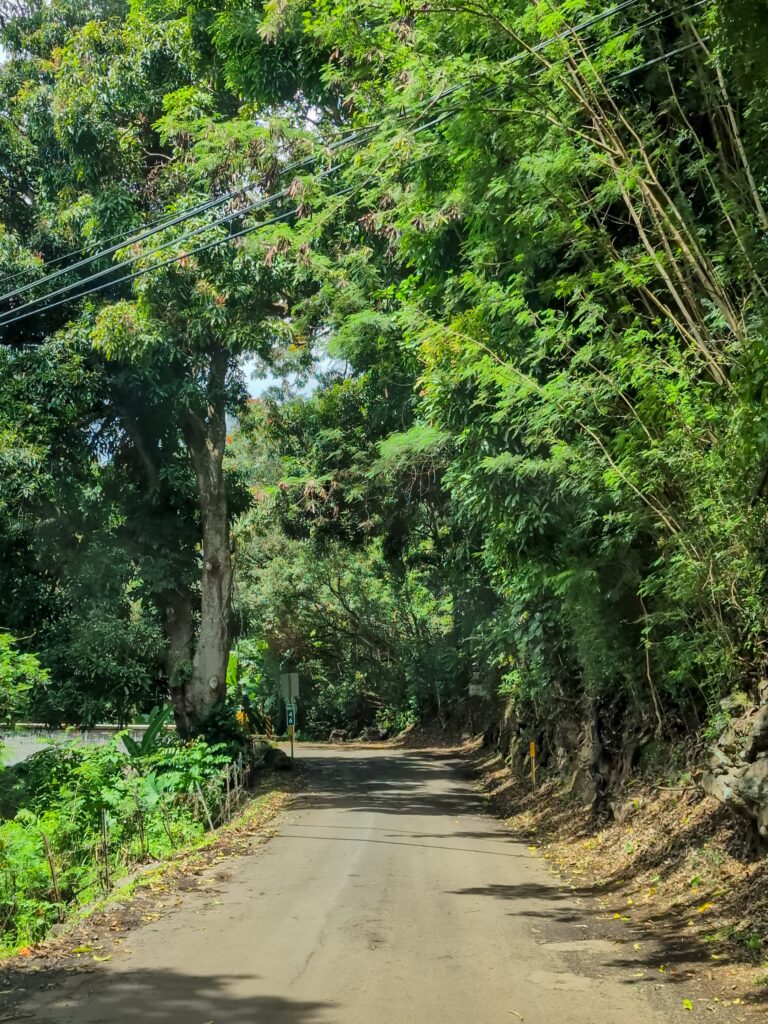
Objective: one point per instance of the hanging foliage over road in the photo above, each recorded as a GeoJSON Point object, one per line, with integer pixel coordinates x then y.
{"type": "Point", "coordinates": [526, 246]}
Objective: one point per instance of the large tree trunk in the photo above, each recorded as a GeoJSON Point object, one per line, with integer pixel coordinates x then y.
{"type": "Point", "coordinates": [205, 436]}
{"type": "Point", "coordinates": [179, 630]}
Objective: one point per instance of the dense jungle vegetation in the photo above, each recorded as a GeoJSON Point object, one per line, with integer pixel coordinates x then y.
{"type": "Point", "coordinates": [78, 819]}
{"type": "Point", "coordinates": [509, 261]}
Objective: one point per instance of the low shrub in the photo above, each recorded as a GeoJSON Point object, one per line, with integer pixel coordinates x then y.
{"type": "Point", "coordinates": [79, 817]}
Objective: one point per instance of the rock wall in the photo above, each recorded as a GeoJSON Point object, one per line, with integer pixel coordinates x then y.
{"type": "Point", "coordinates": [594, 747]}
{"type": "Point", "coordinates": [738, 769]}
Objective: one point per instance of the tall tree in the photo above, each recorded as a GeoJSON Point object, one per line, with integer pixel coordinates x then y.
{"type": "Point", "coordinates": [127, 114]}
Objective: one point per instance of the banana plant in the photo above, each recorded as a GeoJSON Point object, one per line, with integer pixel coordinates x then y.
{"type": "Point", "coordinates": [150, 741]}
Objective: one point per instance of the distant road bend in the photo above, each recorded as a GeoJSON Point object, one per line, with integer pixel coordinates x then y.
{"type": "Point", "coordinates": [387, 897]}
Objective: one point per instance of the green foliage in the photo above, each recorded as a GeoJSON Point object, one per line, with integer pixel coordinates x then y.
{"type": "Point", "coordinates": [369, 643]}
{"type": "Point", "coordinates": [153, 737]}
{"type": "Point", "coordinates": [133, 112]}
{"type": "Point", "coordinates": [539, 449]}
{"type": "Point", "coordinates": [19, 674]}
{"type": "Point", "coordinates": [566, 276]}
{"type": "Point", "coordinates": [411, 450]}
{"type": "Point", "coordinates": [84, 815]}
{"type": "Point", "coordinates": [84, 559]}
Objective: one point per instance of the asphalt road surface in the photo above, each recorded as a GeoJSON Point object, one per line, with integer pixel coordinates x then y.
{"type": "Point", "coordinates": [387, 897]}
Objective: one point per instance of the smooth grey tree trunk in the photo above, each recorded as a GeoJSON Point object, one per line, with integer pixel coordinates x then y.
{"type": "Point", "coordinates": [205, 435]}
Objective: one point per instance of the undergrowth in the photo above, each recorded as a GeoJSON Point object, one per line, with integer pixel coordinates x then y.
{"type": "Point", "coordinates": [79, 818]}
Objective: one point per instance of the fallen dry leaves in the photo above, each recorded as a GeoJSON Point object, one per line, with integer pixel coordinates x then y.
{"type": "Point", "coordinates": [157, 887]}
{"type": "Point", "coordinates": [675, 867]}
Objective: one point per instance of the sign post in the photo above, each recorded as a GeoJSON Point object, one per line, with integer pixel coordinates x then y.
{"type": "Point", "coordinates": [289, 688]}
{"type": "Point", "coordinates": [290, 714]}
{"type": "Point", "coordinates": [533, 764]}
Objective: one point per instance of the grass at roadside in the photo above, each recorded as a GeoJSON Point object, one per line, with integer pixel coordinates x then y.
{"type": "Point", "coordinates": [77, 821]}
{"type": "Point", "coordinates": [96, 932]}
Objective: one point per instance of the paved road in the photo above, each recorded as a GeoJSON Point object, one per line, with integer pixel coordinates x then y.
{"type": "Point", "coordinates": [388, 897]}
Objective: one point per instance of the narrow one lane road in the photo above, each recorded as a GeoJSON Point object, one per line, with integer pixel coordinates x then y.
{"type": "Point", "coordinates": [387, 897]}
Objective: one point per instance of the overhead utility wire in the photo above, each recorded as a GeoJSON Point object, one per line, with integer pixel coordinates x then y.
{"type": "Point", "coordinates": [265, 201]}
{"type": "Point", "coordinates": [170, 222]}
{"type": "Point", "coordinates": [184, 255]}
{"type": "Point", "coordinates": [219, 241]}
{"type": "Point", "coordinates": [24, 311]}
{"type": "Point", "coordinates": [227, 218]}
{"type": "Point", "coordinates": [161, 225]}
{"type": "Point", "coordinates": [648, 22]}
{"type": "Point", "coordinates": [164, 218]}
{"type": "Point", "coordinates": [130, 237]}
{"type": "Point", "coordinates": [115, 267]}
{"type": "Point", "coordinates": [216, 201]}
{"type": "Point", "coordinates": [661, 57]}
{"type": "Point", "coordinates": [163, 263]}
{"type": "Point", "coordinates": [590, 48]}
{"type": "Point", "coordinates": [8, 319]}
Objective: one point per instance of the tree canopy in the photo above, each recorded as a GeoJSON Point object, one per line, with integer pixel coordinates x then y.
{"type": "Point", "coordinates": [519, 251]}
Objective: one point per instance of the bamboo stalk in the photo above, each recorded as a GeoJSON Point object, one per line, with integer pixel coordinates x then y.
{"type": "Point", "coordinates": [205, 806]}
{"type": "Point", "coordinates": [140, 823]}
{"type": "Point", "coordinates": [167, 827]}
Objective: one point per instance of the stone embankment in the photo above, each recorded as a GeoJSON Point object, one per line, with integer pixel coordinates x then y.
{"type": "Point", "coordinates": [738, 770]}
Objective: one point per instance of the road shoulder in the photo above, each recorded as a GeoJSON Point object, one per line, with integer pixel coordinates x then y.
{"type": "Point", "coordinates": [663, 881]}
{"type": "Point", "coordinates": [100, 934]}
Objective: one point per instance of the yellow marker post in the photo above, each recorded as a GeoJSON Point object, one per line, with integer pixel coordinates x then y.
{"type": "Point", "coordinates": [533, 764]}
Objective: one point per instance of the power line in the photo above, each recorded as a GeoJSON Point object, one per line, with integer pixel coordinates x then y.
{"type": "Point", "coordinates": [590, 48]}
{"type": "Point", "coordinates": [661, 57]}
{"type": "Point", "coordinates": [170, 221]}
{"type": "Point", "coordinates": [6, 279]}
{"type": "Point", "coordinates": [155, 266]}
{"type": "Point", "coordinates": [216, 201]}
{"type": "Point", "coordinates": [258, 204]}
{"type": "Point", "coordinates": [5, 320]}
{"type": "Point", "coordinates": [178, 218]}
{"type": "Point", "coordinates": [648, 22]}
{"type": "Point", "coordinates": [26, 310]}
{"type": "Point", "coordinates": [265, 201]}
{"type": "Point", "coordinates": [129, 235]}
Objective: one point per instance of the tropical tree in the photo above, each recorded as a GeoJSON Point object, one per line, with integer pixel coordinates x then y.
{"type": "Point", "coordinates": [127, 114]}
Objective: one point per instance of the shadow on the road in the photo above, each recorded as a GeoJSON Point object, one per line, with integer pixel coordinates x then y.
{"type": "Point", "coordinates": [523, 891]}
{"type": "Point", "coordinates": [498, 837]}
{"type": "Point", "coordinates": [667, 955]}
{"type": "Point", "coordinates": [284, 835]}
{"type": "Point", "coordinates": [157, 997]}
{"type": "Point", "coordinates": [494, 837]}
{"type": "Point", "coordinates": [424, 785]}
